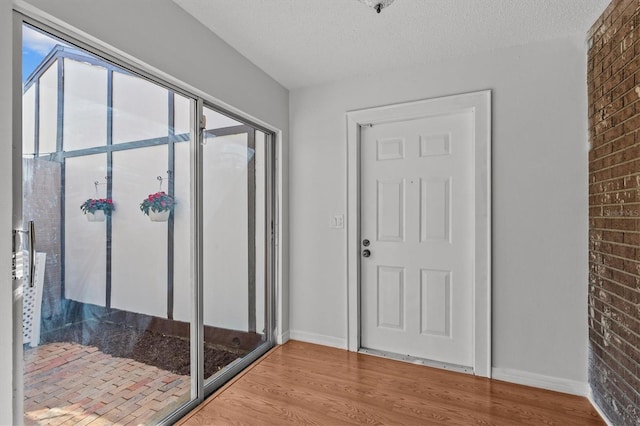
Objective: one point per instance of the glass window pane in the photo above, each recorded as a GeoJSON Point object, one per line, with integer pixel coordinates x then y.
{"type": "Point", "coordinates": [234, 287]}
{"type": "Point", "coordinates": [48, 110]}
{"type": "Point", "coordinates": [85, 105]}
{"type": "Point", "coordinates": [182, 124]}
{"type": "Point", "coordinates": [28, 121]}
{"type": "Point", "coordinates": [140, 109]}
{"type": "Point", "coordinates": [215, 120]}
{"type": "Point", "coordinates": [140, 281]}
{"type": "Point", "coordinates": [85, 242]}
{"type": "Point", "coordinates": [106, 337]}
{"type": "Point", "coordinates": [182, 301]}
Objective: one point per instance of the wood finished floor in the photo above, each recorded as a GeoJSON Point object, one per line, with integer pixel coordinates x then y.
{"type": "Point", "coordinates": [305, 384]}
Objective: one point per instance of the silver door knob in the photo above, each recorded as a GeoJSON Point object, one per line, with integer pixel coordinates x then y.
{"type": "Point", "coordinates": [366, 253]}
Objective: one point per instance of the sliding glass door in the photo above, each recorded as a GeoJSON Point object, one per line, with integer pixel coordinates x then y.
{"type": "Point", "coordinates": [143, 241]}
{"type": "Point", "coordinates": [234, 220]}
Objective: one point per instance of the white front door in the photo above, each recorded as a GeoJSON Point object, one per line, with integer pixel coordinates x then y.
{"type": "Point", "coordinates": [417, 213]}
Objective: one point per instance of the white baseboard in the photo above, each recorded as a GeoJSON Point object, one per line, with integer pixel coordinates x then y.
{"type": "Point", "coordinates": [283, 338]}
{"type": "Point", "coordinates": [540, 381]}
{"type": "Point", "coordinates": [597, 408]}
{"type": "Point", "coordinates": [320, 339]}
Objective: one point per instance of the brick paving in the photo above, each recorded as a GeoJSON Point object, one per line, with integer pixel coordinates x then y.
{"type": "Point", "coordinates": [72, 384]}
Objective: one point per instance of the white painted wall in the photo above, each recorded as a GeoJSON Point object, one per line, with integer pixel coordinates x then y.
{"type": "Point", "coordinates": [139, 262]}
{"type": "Point", "coordinates": [225, 220]}
{"type": "Point", "coordinates": [539, 198]}
{"type": "Point", "coordinates": [28, 121]}
{"type": "Point", "coordinates": [85, 242]}
{"type": "Point", "coordinates": [168, 39]}
{"type": "Point", "coordinates": [182, 288]}
{"type": "Point", "coordinates": [85, 105]}
{"type": "Point", "coordinates": [49, 109]}
{"type": "Point", "coordinates": [140, 109]}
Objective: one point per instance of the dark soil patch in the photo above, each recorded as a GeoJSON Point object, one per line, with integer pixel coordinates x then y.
{"type": "Point", "coordinates": [168, 353]}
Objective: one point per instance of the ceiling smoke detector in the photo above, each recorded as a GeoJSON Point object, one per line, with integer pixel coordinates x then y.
{"type": "Point", "coordinates": [378, 5]}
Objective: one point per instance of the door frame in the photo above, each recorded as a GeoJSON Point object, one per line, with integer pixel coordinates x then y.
{"type": "Point", "coordinates": [479, 104]}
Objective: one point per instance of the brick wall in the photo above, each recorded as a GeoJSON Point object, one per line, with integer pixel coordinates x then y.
{"type": "Point", "coordinates": [614, 211]}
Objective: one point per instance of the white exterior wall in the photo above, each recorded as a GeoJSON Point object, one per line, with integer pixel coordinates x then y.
{"type": "Point", "coordinates": [182, 277]}
{"type": "Point", "coordinates": [225, 219]}
{"type": "Point", "coordinates": [539, 199]}
{"type": "Point", "coordinates": [140, 109]}
{"type": "Point", "coordinates": [48, 110]}
{"type": "Point", "coordinates": [139, 254]}
{"type": "Point", "coordinates": [29, 120]}
{"type": "Point", "coordinates": [85, 242]}
{"type": "Point", "coordinates": [85, 105]}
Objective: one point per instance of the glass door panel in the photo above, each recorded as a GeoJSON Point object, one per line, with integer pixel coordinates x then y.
{"type": "Point", "coordinates": [234, 197]}
{"type": "Point", "coordinates": [106, 180]}
{"type": "Point", "coordinates": [111, 325]}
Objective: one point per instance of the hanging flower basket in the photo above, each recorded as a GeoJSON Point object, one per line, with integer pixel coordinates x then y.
{"type": "Point", "coordinates": [96, 209]}
{"type": "Point", "coordinates": [158, 206]}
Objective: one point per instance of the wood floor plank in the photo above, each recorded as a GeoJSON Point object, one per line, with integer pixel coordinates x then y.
{"type": "Point", "coordinates": [305, 384]}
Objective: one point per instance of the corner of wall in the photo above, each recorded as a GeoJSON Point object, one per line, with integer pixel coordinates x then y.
{"type": "Point", "coordinates": [319, 339]}
{"type": "Point", "coordinates": [595, 405]}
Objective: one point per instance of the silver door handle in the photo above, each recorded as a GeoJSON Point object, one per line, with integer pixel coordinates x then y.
{"type": "Point", "coordinates": [31, 234]}
{"type": "Point", "coordinates": [31, 241]}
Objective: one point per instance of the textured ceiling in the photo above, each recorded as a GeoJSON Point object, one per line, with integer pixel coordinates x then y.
{"type": "Point", "coordinates": [307, 42]}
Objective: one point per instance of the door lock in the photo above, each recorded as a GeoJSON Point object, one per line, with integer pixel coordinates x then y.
{"type": "Point", "coordinates": [366, 242]}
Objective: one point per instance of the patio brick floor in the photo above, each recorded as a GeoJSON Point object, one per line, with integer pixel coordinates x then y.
{"type": "Point", "coordinates": [72, 384]}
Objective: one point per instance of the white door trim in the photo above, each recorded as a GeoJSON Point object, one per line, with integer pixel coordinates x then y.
{"type": "Point", "coordinates": [479, 103]}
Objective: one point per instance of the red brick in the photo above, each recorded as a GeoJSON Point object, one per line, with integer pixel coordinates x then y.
{"type": "Point", "coordinates": [613, 77]}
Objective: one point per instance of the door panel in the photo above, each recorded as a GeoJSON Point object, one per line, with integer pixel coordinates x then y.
{"type": "Point", "coordinates": [391, 297]}
{"type": "Point", "coordinates": [102, 344]}
{"type": "Point", "coordinates": [390, 210]}
{"type": "Point", "coordinates": [435, 213]}
{"type": "Point", "coordinates": [233, 221]}
{"type": "Point", "coordinates": [435, 302]}
{"type": "Point", "coordinates": [417, 203]}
